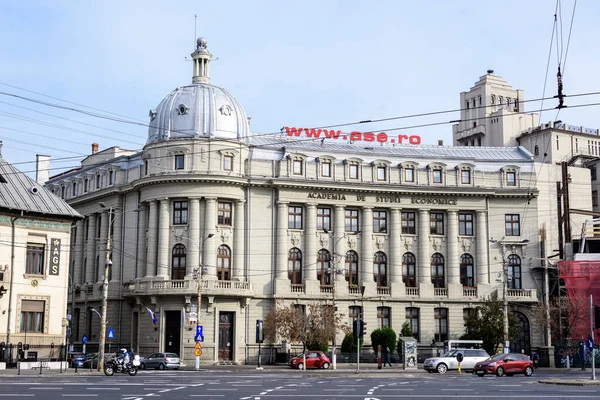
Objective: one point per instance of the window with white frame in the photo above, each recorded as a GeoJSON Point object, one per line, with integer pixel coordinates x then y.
{"type": "Point", "coordinates": [409, 174]}
{"type": "Point", "coordinates": [32, 316]}
{"type": "Point", "coordinates": [381, 173]}
{"type": "Point", "coordinates": [326, 169]}
{"type": "Point", "coordinates": [353, 171]}
{"type": "Point", "coordinates": [227, 163]}
{"type": "Point", "coordinates": [297, 167]}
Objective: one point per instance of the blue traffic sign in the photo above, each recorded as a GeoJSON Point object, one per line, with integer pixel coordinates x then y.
{"type": "Point", "coordinates": [590, 343]}
{"type": "Point", "coordinates": [84, 339]}
{"type": "Point", "coordinates": [199, 333]}
{"type": "Point", "coordinates": [111, 333]}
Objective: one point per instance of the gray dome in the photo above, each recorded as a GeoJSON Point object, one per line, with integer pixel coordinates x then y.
{"type": "Point", "coordinates": [198, 110]}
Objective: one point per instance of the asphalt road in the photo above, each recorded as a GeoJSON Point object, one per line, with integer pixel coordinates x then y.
{"type": "Point", "coordinates": [260, 385]}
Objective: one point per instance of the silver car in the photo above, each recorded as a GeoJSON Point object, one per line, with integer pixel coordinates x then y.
{"type": "Point", "coordinates": [161, 361]}
{"type": "Point", "coordinates": [448, 361]}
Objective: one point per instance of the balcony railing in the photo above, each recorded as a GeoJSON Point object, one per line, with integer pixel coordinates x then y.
{"type": "Point", "coordinates": [354, 290]}
{"type": "Point", "coordinates": [519, 293]}
{"type": "Point", "coordinates": [326, 289]}
{"type": "Point", "coordinates": [440, 292]}
{"type": "Point", "coordinates": [297, 288]}
{"type": "Point", "coordinates": [382, 290]}
{"type": "Point", "coordinates": [186, 286]}
{"type": "Point", "coordinates": [469, 292]}
{"type": "Point", "coordinates": [412, 291]}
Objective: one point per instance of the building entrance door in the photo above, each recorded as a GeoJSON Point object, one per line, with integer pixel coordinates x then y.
{"type": "Point", "coordinates": [226, 336]}
{"type": "Point", "coordinates": [173, 332]}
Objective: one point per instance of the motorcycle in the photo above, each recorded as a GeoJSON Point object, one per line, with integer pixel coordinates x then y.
{"type": "Point", "coordinates": [113, 365]}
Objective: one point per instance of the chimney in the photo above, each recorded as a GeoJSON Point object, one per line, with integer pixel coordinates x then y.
{"type": "Point", "coordinates": [440, 142]}
{"type": "Point", "coordinates": [94, 148]}
{"type": "Point", "coordinates": [42, 168]}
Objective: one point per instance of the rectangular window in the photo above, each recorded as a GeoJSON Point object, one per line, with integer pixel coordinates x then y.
{"type": "Point", "coordinates": [180, 212]}
{"type": "Point", "coordinates": [227, 163]}
{"type": "Point", "coordinates": [436, 223]}
{"type": "Point", "coordinates": [324, 219]}
{"type": "Point", "coordinates": [511, 178]}
{"type": "Point", "coordinates": [440, 316]}
{"type": "Point", "coordinates": [111, 177]}
{"type": "Point", "coordinates": [353, 313]}
{"type": "Point", "coordinates": [294, 217]}
{"type": "Point", "coordinates": [383, 317]}
{"type": "Point", "coordinates": [412, 315]}
{"type": "Point", "coordinates": [74, 189]}
{"type": "Point", "coordinates": [512, 225]}
{"type": "Point", "coordinates": [465, 176]}
{"type": "Point", "coordinates": [465, 224]}
{"type": "Point", "coordinates": [99, 181]}
{"type": "Point", "coordinates": [381, 175]}
{"type": "Point", "coordinates": [86, 185]}
{"type": "Point", "coordinates": [351, 220]}
{"type": "Point", "coordinates": [594, 198]}
{"type": "Point", "coordinates": [353, 171]}
{"type": "Point", "coordinates": [224, 213]}
{"type": "Point", "coordinates": [34, 261]}
{"type": "Point", "coordinates": [146, 168]}
{"type": "Point", "coordinates": [437, 175]}
{"type": "Point", "coordinates": [62, 192]}
{"type": "Point", "coordinates": [409, 175]}
{"type": "Point", "coordinates": [326, 169]}
{"type": "Point", "coordinates": [297, 167]}
{"type": "Point", "coordinates": [379, 222]}
{"type": "Point", "coordinates": [179, 161]}
{"type": "Point", "coordinates": [408, 222]}
{"type": "Point", "coordinates": [32, 316]}
{"type": "Point", "coordinates": [593, 172]}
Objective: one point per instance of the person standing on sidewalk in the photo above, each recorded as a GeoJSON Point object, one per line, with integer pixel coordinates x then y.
{"type": "Point", "coordinates": [387, 357]}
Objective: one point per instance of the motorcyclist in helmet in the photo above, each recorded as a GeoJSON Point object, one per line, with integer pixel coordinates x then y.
{"type": "Point", "coordinates": [123, 357]}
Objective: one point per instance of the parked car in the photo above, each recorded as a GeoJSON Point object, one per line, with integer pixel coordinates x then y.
{"type": "Point", "coordinates": [448, 361]}
{"type": "Point", "coordinates": [505, 364]}
{"type": "Point", "coordinates": [76, 359]}
{"type": "Point", "coordinates": [161, 361]}
{"type": "Point", "coordinates": [314, 359]}
{"type": "Point", "coordinates": [91, 360]}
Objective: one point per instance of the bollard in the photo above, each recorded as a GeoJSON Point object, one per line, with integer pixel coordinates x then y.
{"type": "Point", "coordinates": [76, 364]}
{"type": "Point", "coordinates": [41, 367]}
{"type": "Point", "coordinates": [18, 368]}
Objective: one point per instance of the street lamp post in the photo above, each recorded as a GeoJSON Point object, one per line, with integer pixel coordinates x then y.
{"type": "Point", "coordinates": [107, 265]}
{"type": "Point", "coordinates": [201, 269]}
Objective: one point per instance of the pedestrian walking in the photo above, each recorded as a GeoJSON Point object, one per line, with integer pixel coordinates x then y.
{"type": "Point", "coordinates": [387, 357]}
{"type": "Point", "coordinates": [536, 359]}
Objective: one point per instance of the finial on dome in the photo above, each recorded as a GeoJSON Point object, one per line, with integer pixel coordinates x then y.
{"type": "Point", "coordinates": [201, 58]}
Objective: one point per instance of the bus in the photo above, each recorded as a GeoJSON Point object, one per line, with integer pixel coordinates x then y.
{"type": "Point", "coordinates": [462, 344]}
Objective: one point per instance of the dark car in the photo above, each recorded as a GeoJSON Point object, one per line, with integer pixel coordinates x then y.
{"type": "Point", "coordinates": [161, 361]}
{"type": "Point", "coordinates": [314, 359]}
{"type": "Point", "coordinates": [505, 364]}
{"type": "Point", "coordinates": [76, 359]}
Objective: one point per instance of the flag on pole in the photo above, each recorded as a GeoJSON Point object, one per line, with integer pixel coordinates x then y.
{"type": "Point", "coordinates": [152, 315]}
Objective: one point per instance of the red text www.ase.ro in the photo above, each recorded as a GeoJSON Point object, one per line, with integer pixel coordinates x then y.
{"type": "Point", "coordinates": [354, 136]}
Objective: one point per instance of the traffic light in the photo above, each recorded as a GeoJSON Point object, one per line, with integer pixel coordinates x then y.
{"type": "Point", "coordinates": [356, 327]}
{"type": "Point", "coordinates": [596, 315]}
{"type": "Point", "coordinates": [2, 291]}
{"type": "Point", "coordinates": [363, 328]}
{"type": "Point", "coordinates": [259, 331]}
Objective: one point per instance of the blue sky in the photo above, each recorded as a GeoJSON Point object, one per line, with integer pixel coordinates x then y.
{"type": "Point", "coordinates": [305, 63]}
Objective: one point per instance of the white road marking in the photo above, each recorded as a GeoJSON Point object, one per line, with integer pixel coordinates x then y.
{"type": "Point", "coordinates": [103, 388]}
{"type": "Point", "coordinates": [46, 388]}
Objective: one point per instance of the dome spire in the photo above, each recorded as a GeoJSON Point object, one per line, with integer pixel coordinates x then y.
{"type": "Point", "coordinates": [201, 58]}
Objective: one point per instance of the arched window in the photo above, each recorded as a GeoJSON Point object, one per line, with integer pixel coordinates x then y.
{"type": "Point", "coordinates": [466, 270]}
{"type": "Point", "coordinates": [223, 263]}
{"type": "Point", "coordinates": [178, 262]}
{"type": "Point", "coordinates": [323, 267]}
{"type": "Point", "coordinates": [295, 266]}
{"type": "Point", "coordinates": [380, 269]}
{"type": "Point", "coordinates": [352, 268]}
{"type": "Point", "coordinates": [514, 272]}
{"type": "Point", "coordinates": [437, 271]}
{"type": "Point", "coordinates": [409, 271]}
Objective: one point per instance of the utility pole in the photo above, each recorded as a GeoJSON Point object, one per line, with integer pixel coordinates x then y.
{"type": "Point", "coordinates": [107, 265]}
{"type": "Point", "coordinates": [200, 272]}
{"type": "Point", "coordinates": [505, 299]}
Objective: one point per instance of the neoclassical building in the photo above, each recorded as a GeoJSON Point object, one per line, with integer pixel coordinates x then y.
{"type": "Point", "coordinates": [292, 217]}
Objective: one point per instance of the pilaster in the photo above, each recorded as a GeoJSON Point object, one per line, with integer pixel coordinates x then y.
{"type": "Point", "coordinates": [163, 239]}
{"type": "Point", "coordinates": [238, 240]}
{"type": "Point", "coordinates": [152, 239]}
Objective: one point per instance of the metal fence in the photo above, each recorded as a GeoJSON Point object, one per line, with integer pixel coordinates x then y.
{"type": "Point", "coordinates": [12, 353]}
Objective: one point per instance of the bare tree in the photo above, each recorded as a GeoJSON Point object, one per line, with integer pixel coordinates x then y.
{"type": "Point", "coordinates": [568, 316]}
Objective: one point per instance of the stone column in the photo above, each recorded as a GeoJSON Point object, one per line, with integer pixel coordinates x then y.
{"type": "Point", "coordinates": [141, 238]}
{"type": "Point", "coordinates": [395, 251]}
{"type": "Point", "coordinates": [79, 250]}
{"type": "Point", "coordinates": [104, 222]}
{"type": "Point", "coordinates": [115, 245]}
{"type": "Point", "coordinates": [366, 269]}
{"type": "Point", "coordinates": [193, 242]}
{"type": "Point", "coordinates": [424, 258]}
{"type": "Point", "coordinates": [282, 241]}
{"type": "Point", "coordinates": [152, 239]}
{"type": "Point", "coordinates": [209, 253]}
{"type": "Point", "coordinates": [163, 263]}
{"type": "Point", "coordinates": [481, 259]}
{"type": "Point", "coordinates": [453, 272]}
{"type": "Point", "coordinates": [310, 249]}
{"type": "Point", "coordinates": [239, 234]}
{"type": "Point", "coordinates": [90, 254]}
{"type": "Point", "coordinates": [338, 245]}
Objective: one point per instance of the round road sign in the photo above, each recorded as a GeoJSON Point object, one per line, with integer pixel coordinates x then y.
{"type": "Point", "coordinates": [198, 352]}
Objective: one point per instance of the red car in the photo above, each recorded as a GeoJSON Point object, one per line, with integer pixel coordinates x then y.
{"type": "Point", "coordinates": [314, 359]}
{"type": "Point", "coordinates": [505, 364]}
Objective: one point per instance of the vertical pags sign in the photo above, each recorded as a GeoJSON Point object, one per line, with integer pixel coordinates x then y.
{"type": "Point", "coordinates": [54, 257]}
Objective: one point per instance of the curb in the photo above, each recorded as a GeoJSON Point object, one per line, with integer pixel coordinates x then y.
{"type": "Point", "coordinates": [579, 382]}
